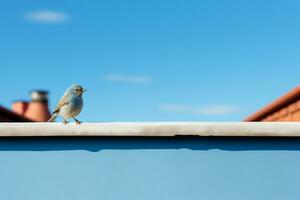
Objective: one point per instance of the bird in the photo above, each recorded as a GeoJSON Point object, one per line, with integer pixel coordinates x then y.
{"type": "Point", "coordinates": [70, 104]}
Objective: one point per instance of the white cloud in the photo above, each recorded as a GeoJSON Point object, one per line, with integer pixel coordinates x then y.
{"type": "Point", "coordinates": [128, 78]}
{"type": "Point", "coordinates": [210, 110]}
{"type": "Point", "coordinates": [47, 16]}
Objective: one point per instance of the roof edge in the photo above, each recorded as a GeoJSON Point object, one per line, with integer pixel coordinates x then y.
{"type": "Point", "coordinates": [275, 105]}
{"type": "Point", "coordinates": [152, 129]}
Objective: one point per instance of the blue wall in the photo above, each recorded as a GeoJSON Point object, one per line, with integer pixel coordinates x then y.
{"type": "Point", "coordinates": [149, 168]}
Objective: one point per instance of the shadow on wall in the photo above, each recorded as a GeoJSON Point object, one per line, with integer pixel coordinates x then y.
{"type": "Point", "coordinates": [95, 144]}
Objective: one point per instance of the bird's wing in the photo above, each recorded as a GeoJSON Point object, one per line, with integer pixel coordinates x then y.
{"type": "Point", "coordinates": [63, 101]}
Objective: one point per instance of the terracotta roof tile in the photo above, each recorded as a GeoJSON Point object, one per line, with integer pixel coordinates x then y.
{"type": "Point", "coordinates": [277, 106]}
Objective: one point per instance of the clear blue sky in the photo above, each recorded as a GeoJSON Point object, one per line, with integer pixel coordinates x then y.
{"type": "Point", "coordinates": [165, 60]}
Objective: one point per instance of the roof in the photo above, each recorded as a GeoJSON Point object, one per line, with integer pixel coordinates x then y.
{"type": "Point", "coordinates": [12, 115]}
{"type": "Point", "coordinates": [276, 105]}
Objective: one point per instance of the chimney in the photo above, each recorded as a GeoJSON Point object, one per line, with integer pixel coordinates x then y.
{"type": "Point", "coordinates": [20, 107]}
{"type": "Point", "coordinates": [37, 109]}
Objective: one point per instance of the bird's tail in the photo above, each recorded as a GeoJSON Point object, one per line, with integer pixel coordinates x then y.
{"type": "Point", "coordinates": [53, 117]}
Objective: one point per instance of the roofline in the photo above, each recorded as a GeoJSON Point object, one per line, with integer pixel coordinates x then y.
{"type": "Point", "coordinates": [284, 100]}
{"type": "Point", "coordinates": [14, 115]}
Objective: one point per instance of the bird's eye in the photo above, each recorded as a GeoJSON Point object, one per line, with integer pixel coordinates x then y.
{"type": "Point", "coordinates": [77, 89]}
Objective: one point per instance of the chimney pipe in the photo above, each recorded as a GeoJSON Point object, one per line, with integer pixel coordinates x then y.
{"type": "Point", "coordinates": [38, 107]}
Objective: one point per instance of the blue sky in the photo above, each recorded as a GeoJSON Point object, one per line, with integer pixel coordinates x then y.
{"type": "Point", "coordinates": [152, 60]}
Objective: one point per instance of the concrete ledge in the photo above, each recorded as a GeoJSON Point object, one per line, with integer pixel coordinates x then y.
{"type": "Point", "coordinates": [154, 129]}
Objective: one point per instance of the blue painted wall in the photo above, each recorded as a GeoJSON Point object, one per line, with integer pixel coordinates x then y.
{"type": "Point", "coordinates": [149, 168]}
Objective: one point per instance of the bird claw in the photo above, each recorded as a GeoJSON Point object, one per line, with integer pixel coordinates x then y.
{"type": "Point", "coordinates": [65, 122]}
{"type": "Point", "coordinates": [77, 121]}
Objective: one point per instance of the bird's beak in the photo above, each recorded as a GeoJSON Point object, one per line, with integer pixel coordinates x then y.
{"type": "Point", "coordinates": [82, 91]}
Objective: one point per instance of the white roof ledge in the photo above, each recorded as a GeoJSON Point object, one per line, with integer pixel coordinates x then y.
{"type": "Point", "coordinates": [154, 129]}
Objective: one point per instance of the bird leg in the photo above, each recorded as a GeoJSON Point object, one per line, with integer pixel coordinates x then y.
{"type": "Point", "coordinates": [77, 121]}
{"type": "Point", "coordinates": [65, 122]}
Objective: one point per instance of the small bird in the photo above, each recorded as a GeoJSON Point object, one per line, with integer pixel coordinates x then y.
{"type": "Point", "coordinates": [70, 104]}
